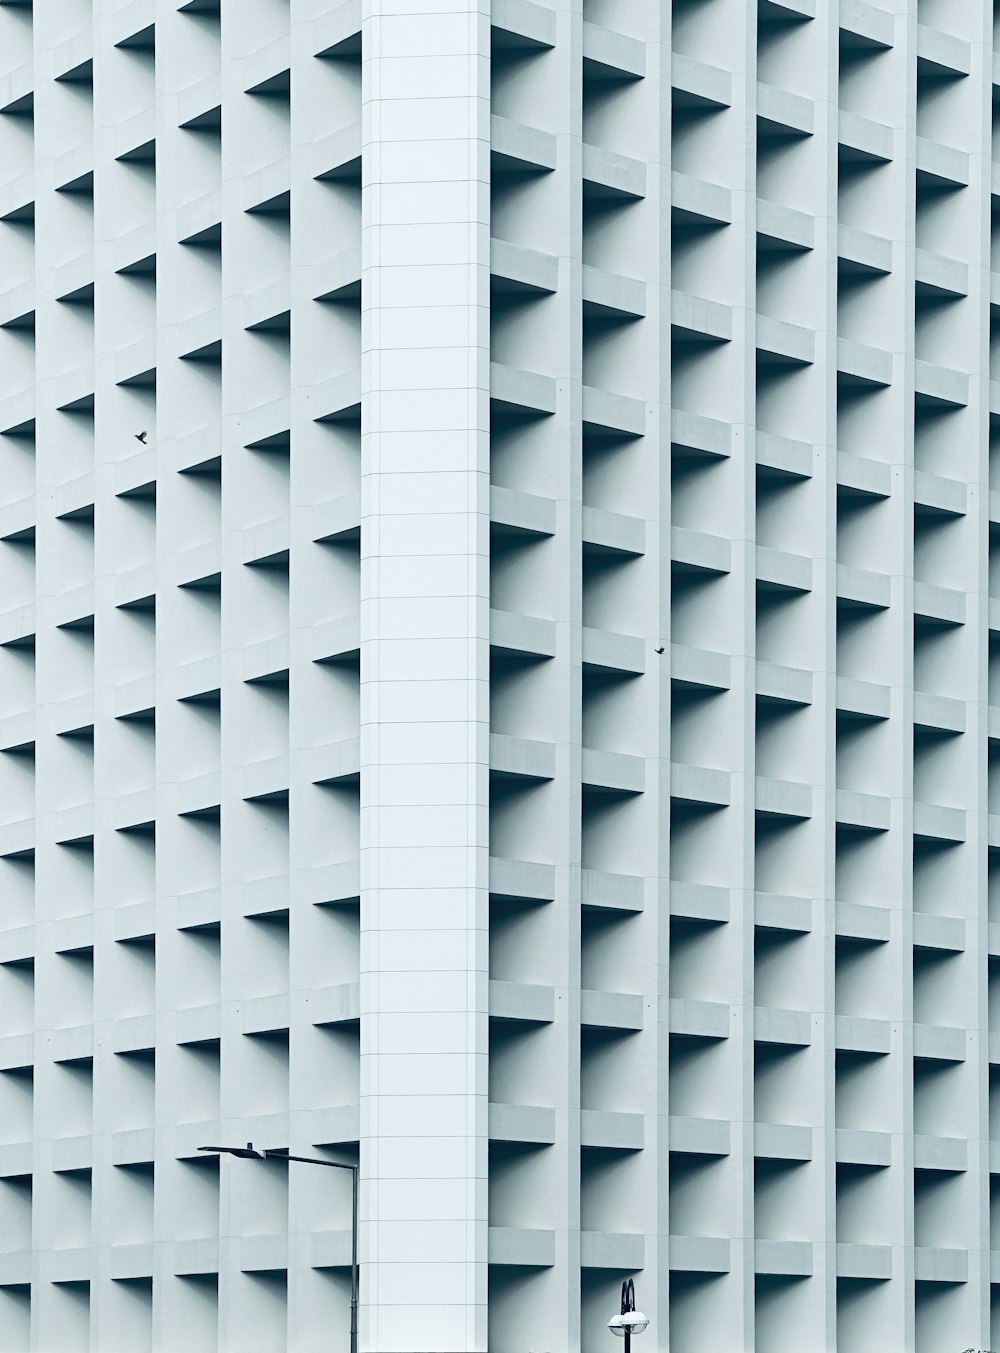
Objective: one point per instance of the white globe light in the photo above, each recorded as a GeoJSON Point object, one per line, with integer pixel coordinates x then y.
{"type": "Point", "coordinates": [633, 1321]}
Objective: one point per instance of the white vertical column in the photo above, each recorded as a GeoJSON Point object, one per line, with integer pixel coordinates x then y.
{"type": "Point", "coordinates": [424, 673]}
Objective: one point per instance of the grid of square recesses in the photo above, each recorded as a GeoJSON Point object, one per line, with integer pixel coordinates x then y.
{"type": "Point", "coordinates": [577, 257]}
{"type": "Point", "coordinates": [791, 1137]}
{"type": "Point", "coordinates": [789, 1140]}
{"type": "Point", "coordinates": [178, 665]}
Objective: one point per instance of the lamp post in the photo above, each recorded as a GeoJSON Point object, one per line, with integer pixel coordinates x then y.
{"type": "Point", "coordinates": [628, 1321]}
{"type": "Point", "coordinates": [250, 1152]}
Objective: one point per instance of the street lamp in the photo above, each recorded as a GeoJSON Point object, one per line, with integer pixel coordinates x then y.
{"type": "Point", "coordinates": [250, 1152]}
{"type": "Point", "coordinates": [628, 1321]}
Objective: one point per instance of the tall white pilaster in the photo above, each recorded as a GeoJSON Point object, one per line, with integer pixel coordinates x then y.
{"type": "Point", "coordinates": [424, 674]}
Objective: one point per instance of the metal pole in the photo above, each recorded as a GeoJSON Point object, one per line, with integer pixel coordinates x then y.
{"type": "Point", "coordinates": [354, 1258]}
{"type": "Point", "coordinates": [272, 1153]}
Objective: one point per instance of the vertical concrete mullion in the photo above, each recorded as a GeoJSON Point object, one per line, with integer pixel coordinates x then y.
{"type": "Point", "coordinates": [569, 647]}
{"type": "Point", "coordinates": [742, 1329]}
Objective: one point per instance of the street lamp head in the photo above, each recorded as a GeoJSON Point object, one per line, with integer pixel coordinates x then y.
{"type": "Point", "coordinates": [243, 1153]}
{"type": "Point", "coordinates": [632, 1321]}
{"type": "Point", "coordinates": [628, 1320]}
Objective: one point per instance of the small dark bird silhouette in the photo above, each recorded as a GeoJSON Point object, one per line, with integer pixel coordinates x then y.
{"type": "Point", "coordinates": [141, 437]}
{"type": "Point", "coordinates": [660, 650]}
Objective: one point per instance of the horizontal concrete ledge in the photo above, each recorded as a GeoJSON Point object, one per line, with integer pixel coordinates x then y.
{"type": "Point", "coordinates": [944, 604]}
{"type": "Point", "coordinates": [523, 23]}
{"type": "Point", "coordinates": [855, 1146]}
{"type": "Point", "coordinates": [611, 294]}
{"type": "Point", "coordinates": [608, 651]}
{"type": "Point", "coordinates": [772, 911]}
{"type": "Point", "coordinates": [782, 798]}
{"type": "Point", "coordinates": [522, 1001]}
{"type": "Point", "coordinates": [515, 391]}
{"type": "Point", "coordinates": [783, 457]}
{"type": "Point", "coordinates": [698, 435]}
{"type": "Point", "coordinates": [696, 320]}
{"type": "Point", "coordinates": [941, 276]}
{"type": "Point", "coordinates": [611, 1130]}
{"type": "Point", "coordinates": [16, 1268]}
{"type": "Point", "coordinates": [601, 891]}
{"type": "Point", "coordinates": [612, 772]}
{"type": "Point", "coordinates": [521, 1248]}
{"type": "Point", "coordinates": [699, 785]}
{"type": "Point", "coordinates": [855, 921]}
{"type": "Point", "coordinates": [788, 1028]}
{"type": "Point", "coordinates": [518, 513]}
{"type": "Point", "coordinates": [695, 84]}
{"type": "Point", "coordinates": [872, 1262]}
{"type": "Point", "coordinates": [516, 147]}
{"type": "Point", "coordinates": [861, 364]}
{"type": "Point", "coordinates": [607, 173]}
{"type": "Point", "coordinates": [621, 1252]}
{"type": "Point", "coordinates": [134, 1146]}
{"type": "Point", "coordinates": [69, 1154]}
{"type": "Point", "coordinates": [784, 685]}
{"type": "Point", "coordinates": [863, 587]}
{"type": "Point", "coordinates": [938, 932]}
{"type": "Point", "coordinates": [699, 901]}
{"type": "Point", "coordinates": [700, 1136]}
{"type": "Point", "coordinates": [130, 1261]}
{"type": "Point", "coordinates": [859, 19]}
{"type": "Point", "coordinates": [793, 1258]}
{"type": "Point", "coordinates": [783, 343]}
{"type": "Point", "coordinates": [608, 414]}
{"type": "Point", "coordinates": [935, 822]}
{"type": "Point", "coordinates": [863, 476]}
{"type": "Point", "coordinates": [854, 1034]}
{"type": "Point", "coordinates": [940, 1043]}
{"type": "Point", "coordinates": [263, 1254]}
{"type": "Point", "coordinates": [939, 384]}
{"type": "Point", "coordinates": [521, 758]}
{"type": "Point", "coordinates": [781, 111]}
{"type": "Point", "coordinates": [938, 712]}
{"type": "Point", "coordinates": [517, 633]}
{"type": "Point", "coordinates": [612, 54]}
{"type": "Point", "coordinates": [865, 812]}
{"type": "Point", "coordinates": [700, 667]}
{"type": "Point", "coordinates": [782, 1141]}
{"type": "Point", "coordinates": [935, 1265]}
{"type": "Point", "coordinates": [330, 1249]}
{"type": "Point", "coordinates": [696, 201]}
{"type": "Point", "coordinates": [611, 1010]}
{"type": "Point", "coordinates": [521, 879]}
{"type": "Point", "coordinates": [699, 552]}
{"type": "Point", "coordinates": [191, 1257]}
{"type": "Point", "coordinates": [862, 138]}
{"type": "Point", "coordinates": [700, 1019]}
{"type": "Point", "coordinates": [339, 1003]}
{"type": "Point", "coordinates": [941, 164]}
{"type": "Point", "coordinates": [700, 1254]}
{"type": "Point", "coordinates": [782, 571]}
{"type": "Point", "coordinates": [782, 226]}
{"type": "Point", "coordinates": [942, 53]}
{"type": "Point", "coordinates": [518, 268]}
{"type": "Point", "coordinates": [612, 532]}
{"type": "Point", "coordinates": [522, 1123]}
{"type": "Point", "coordinates": [947, 1154]}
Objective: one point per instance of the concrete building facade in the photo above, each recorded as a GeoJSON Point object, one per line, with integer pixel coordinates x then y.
{"type": "Point", "coordinates": [499, 623]}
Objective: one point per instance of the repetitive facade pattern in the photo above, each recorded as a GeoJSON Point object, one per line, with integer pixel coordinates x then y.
{"type": "Point", "coordinates": [408, 748]}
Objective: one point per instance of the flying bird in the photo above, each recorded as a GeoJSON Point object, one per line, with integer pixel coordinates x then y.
{"type": "Point", "coordinates": [660, 650]}
{"type": "Point", "coordinates": [141, 437]}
